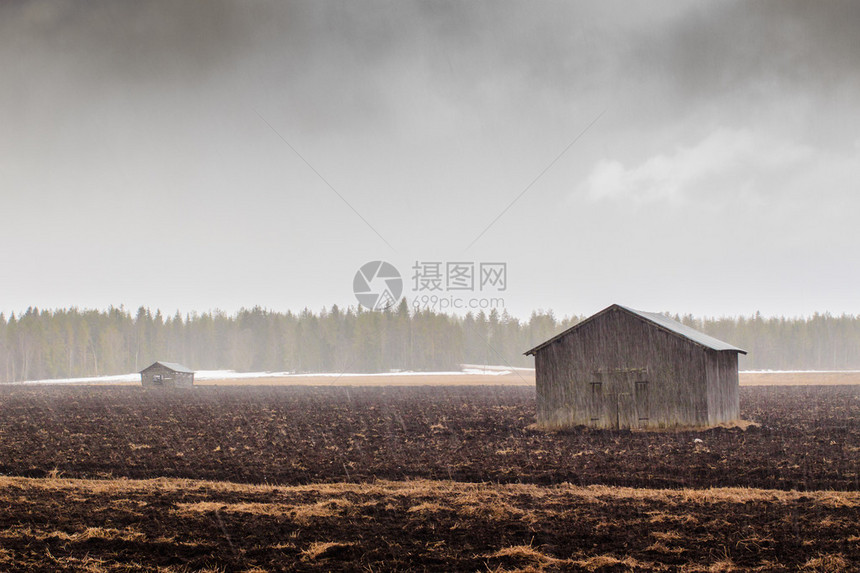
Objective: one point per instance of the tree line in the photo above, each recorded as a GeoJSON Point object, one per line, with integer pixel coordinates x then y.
{"type": "Point", "coordinates": [65, 343]}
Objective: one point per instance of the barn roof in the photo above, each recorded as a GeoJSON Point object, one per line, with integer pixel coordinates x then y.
{"type": "Point", "coordinates": [660, 320]}
{"type": "Point", "coordinates": [175, 366]}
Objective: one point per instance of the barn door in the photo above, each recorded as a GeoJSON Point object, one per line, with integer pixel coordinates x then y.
{"type": "Point", "coordinates": [595, 402]}
{"type": "Point", "coordinates": [643, 402]}
{"type": "Point", "coordinates": [626, 411]}
{"type": "Point", "coordinates": [625, 400]}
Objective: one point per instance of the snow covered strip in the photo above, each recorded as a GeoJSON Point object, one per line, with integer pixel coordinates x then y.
{"type": "Point", "coordinates": [233, 375]}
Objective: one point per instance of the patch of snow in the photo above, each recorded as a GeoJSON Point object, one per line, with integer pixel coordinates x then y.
{"type": "Point", "coordinates": [118, 378]}
{"type": "Point", "coordinates": [492, 369]}
{"type": "Point", "coordinates": [486, 372]}
{"type": "Point", "coordinates": [233, 375]}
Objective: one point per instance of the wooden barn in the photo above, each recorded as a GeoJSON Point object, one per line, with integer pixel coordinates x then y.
{"type": "Point", "coordinates": [624, 368]}
{"type": "Point", "coordinates": [170, 374]}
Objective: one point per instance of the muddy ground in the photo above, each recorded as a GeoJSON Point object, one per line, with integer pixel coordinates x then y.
{"type": "Point", "coordinates": [809, 438]}
{"type": "Point", "coordinates": [171, 525]}
{"type": "Point", "coordinates": [416, 479]}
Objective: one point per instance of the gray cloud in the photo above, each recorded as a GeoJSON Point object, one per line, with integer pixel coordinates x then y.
{"type": "Point", "coordinates": [429, 117]}
{"type": "Point", "coordinates": [127, 40]}
{"type": "Point", "coordinates": [734, 61]}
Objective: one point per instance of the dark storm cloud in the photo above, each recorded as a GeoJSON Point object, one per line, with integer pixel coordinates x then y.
{"type": "Point", "coordinates": [702, 48]}
{"type": "Point", "coordinates": [328, 59]}
{"type": "Point", "coordinates": [746, 56]}
{"type": "Point", "coordinates": [785, 44]}
{"type": "Point", "coordinates": [125, 39]}
{"type": "Point", "coordinates": [329, 63]}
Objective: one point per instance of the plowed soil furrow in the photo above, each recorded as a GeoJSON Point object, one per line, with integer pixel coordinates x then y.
{"type": "Point", "coordinates": [808, 438]}
{"type": "Point", "coordinates": [126, 525]}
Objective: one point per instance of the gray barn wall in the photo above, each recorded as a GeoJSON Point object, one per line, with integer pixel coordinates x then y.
{"type": "Point", "coordinates": [171, 378]}
{"type": "Point", "coordinates": [619, 349]}
{"type": "Point", "coordinates": [722, 377]}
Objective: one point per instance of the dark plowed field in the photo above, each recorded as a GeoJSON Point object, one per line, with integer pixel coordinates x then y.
{"type": "Point", "coordinates": [129, 526]}
{"type": "Point", "coordinates": [808, 439]}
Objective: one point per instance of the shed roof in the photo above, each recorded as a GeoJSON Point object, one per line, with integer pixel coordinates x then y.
{"type": "Point", "coordinates": [175, 366]}
{"type": "Point", "coordinates": [660, 320]}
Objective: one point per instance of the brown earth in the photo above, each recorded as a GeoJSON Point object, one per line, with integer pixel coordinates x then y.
{"type": "Point", "coordinates": [177, 525]}
{"type": "Point", "coordinates": [423, 478]}
{"type": "Point", "coordinates": [808, 438]}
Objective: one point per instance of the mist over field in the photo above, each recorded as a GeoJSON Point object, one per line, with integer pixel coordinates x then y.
{"type": "Point", "coordinates": [40, 345]}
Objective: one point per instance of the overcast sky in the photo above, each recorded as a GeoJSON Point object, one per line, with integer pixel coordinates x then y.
{"type": "Point", "coordinates": [151, 152]}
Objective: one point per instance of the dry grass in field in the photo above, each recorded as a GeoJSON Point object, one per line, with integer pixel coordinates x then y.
{"type": "Point", "coordinates": [519, 378]}
{"type": "Point", "coordinates": [826, 563]}
{"type": "Point", "coordinates": [533, 560]}
{"type": "Point", "coordinates": [472, 497]}
{"type": "Point", "coordinates": [323, 549]}
{"type": "Point", "coordinates": [422, 523]}
{"type": "Point", "coordinates": [608, 561]}
{"type": "Point", "coordinates": [85, 535]}
{"type": "Point", "coordinates": [834, 378]}
{"type": "Point", "coordinates": [300, 513]}
{"type": "Point", "coordinates": [428, 507]}
{"type": "Point", "coordinates": [527, 553]}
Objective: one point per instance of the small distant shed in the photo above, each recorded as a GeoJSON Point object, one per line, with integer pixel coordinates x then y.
{"type": "Point", "coordinates": [170, 374]}
{"type": "Point", "coordinates": [626, 368]}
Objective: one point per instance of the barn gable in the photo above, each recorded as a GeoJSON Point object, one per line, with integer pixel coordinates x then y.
{"type": "Point", "coordinates": [657, 319]}
{"type": "Point", "coordinates": [625, 368]}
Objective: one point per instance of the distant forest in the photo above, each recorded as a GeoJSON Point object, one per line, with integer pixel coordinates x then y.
{"type": "Point", "coordinates": [42, 344]}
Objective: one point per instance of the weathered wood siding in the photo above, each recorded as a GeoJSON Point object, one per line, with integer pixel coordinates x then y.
{"type": "Point", "coordinates": [619, 370]}
{"type": "Point", "coordinates": [169, 378]}
{"type": "Point", "coordinates": [723, 387]}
